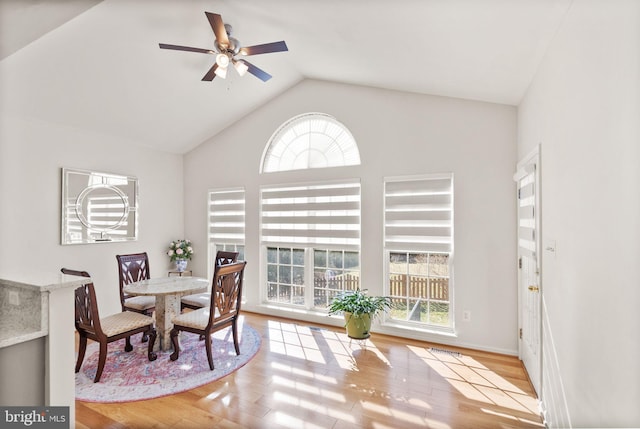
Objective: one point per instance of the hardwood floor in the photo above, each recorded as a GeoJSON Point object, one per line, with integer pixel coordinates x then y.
{"type": "Point", "coordinates": [316, 377]}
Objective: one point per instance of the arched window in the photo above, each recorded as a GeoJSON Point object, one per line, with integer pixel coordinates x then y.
{"type": "Point", "coordinates": [310, 140]}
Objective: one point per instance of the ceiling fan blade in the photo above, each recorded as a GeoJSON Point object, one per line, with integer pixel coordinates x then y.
{"type": "Point", "coordinates": [265, 48]}
{"type": "Point", "coordinates": [211, 74]}
{"type": "Point", "coordinates": [186, 48]}
{"type": "Point", "coordinates": [257, 72]}
{"type": "Point", "coordinates": [217, 26]}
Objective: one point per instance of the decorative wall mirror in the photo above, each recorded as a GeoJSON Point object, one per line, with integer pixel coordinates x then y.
{"type": "Point", "coordinates": [98, 207]}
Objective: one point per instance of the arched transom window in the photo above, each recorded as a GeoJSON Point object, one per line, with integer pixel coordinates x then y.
{"type": "Point", "coordinates": [310, 140]}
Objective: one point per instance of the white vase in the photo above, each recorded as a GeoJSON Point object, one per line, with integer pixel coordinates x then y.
{"type": "Point", "coordinates": [181, 265]}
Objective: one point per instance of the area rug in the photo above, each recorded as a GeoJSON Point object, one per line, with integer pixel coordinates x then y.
{"type": "Point", "coordinates": [131, 377]}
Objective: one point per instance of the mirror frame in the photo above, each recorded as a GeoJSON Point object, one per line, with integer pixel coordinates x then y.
{"type": "Point", "coordinates": [113, 196]}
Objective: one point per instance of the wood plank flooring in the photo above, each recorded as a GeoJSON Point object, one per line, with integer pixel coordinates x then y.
{"type": "Point", "coordinates": [311, 377]}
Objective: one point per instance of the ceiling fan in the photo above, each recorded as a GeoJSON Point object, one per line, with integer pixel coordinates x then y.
{"type": "Point", "coordinates": [226, 50]}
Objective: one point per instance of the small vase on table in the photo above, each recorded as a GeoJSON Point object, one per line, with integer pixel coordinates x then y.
{"type": "Point", "coordinates": [181, 265]}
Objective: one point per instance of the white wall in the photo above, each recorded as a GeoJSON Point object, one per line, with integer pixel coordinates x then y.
{"type": "Point", "coordinates": [583, 107]}
{"type": "Point", "coordinates": [397, 134]}
{"type": "Point", "coordinates": [31, 156]}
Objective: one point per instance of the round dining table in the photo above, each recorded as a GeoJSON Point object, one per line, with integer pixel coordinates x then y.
{"type": "Point", "coordinates": [168, 292]}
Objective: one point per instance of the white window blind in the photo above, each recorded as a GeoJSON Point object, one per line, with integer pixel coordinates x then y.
{"type": "Point", "coordinates": [419, 213]}
{"type": "Point", "coordinates": [321, 214]}
{"type": "Point", "coordinates": [526, 215]}
{"type": "Point", "coordinates": [227, 216]}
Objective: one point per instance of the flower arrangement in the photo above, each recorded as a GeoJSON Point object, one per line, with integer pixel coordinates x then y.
{"type": "Point", "coordinates": [180, 249]}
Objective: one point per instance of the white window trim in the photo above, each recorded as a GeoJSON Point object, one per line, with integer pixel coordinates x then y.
{"type": "Point", "coordinates": [395, 324]}
{"type": "Point", "coordinates": [342, 152]}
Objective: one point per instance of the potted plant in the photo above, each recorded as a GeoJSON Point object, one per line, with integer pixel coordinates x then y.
{"type": "Point", "coordinates": [359, 309]}
{"type": "Point", "coordinates": [180, 251]}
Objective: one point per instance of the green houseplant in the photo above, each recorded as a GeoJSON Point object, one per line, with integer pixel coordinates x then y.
{"type": "Point", "coordinates": [359, 309]}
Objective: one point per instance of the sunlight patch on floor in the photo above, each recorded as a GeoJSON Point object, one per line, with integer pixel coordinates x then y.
{"type": "Point", "coordinates": [295, 341]}
{"type": "Point", "coordinates": [403, 417]}
{"type": "Point", "coordinates": [520, 421]}
{"type": "Point", "coordinates": [478, 383]}
{"type": "Point", "coordinates": [304, 373]}
{"type": "Point", "coordinates": [312, 389]}
{"type": "Point", "coordinates": [314, 406]}
{"type": "Point", "coordinates": [295, 386]}
{"type": "Point", "coordinates": [290, 421]}
{"type": "Point", "coordinates": [298, 341]}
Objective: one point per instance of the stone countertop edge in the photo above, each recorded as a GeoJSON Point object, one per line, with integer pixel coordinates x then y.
{"type": "Point", "coordinates": [44, 282]}
{"type": "Point", "coordinates": [39, 283]}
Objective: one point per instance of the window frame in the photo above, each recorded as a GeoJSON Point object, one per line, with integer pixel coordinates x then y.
{"type": "Point", "coordinates": [343, 151]}
{"type": "Point", "coordinates": [409, 246]}
{"type": "Point", "coordinates": [345, 239]}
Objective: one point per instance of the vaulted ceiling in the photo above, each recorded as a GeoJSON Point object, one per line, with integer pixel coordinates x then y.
{"type": "Point", "coordinates": [96, 65]}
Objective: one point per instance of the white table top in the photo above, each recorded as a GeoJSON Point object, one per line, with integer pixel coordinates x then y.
{"type": "Point", "coordinates": [167, 286]}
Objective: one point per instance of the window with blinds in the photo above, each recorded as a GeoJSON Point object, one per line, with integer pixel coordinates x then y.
{"type": "Point", "coordinates": [318, 215]}
{"type": "Point", "coordinates": [227, 221]}
{"type": "Point", "coordinates": [311, 235]}
{"type": "Point", "coordinates": [418, 240]}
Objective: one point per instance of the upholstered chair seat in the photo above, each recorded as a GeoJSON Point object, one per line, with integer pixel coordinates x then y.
{"type": "Point", "coordinates": [197, 300]}
{"type": "Point", "coordinates": [196, 319]}
{"type": "Point", "coordinates": [141, 304]}
{"type": "Point", "coordinates": [122, 322]}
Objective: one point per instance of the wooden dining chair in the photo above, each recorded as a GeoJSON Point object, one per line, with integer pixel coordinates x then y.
{"type": "Point", "coordinates": [111, 328]}
{"type": "Point", "coordinates": [133, 268]}
{"type": "Point", "coordinates": [200, 300]}
{"type": "Point", "coordinates": [223, 310]}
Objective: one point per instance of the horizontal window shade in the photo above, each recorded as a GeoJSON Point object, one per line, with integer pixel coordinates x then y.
{"type": "Point", "coordinates": [327, 214]}
{"type": "Point", "coordinates": [227, 216]}
{"type": "Point", "coordinates": [419, 214]}
{"type": "Point", "coordinates": [526, 216]}
{"type": "Point", "coordinates": [527, 190]}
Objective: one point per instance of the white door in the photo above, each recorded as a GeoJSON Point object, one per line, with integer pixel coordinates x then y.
{"type": "Point", "coordinates": [529, 292]}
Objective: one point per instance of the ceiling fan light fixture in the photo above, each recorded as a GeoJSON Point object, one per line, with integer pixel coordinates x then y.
{"type": "Point", "coordinates": [241, 67]}
{"type": "Point", "coordinates": [222, 60]}
{"type": "Point", "coordinates": [226, 49]}
{"type": "Point", "coordinates": [221, 72]}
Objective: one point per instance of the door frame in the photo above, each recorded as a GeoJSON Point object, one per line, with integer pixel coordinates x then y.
{"type": "Point", "coordinates": [524, 166]}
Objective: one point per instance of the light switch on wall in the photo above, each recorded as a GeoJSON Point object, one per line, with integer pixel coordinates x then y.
{"type": "Point", "coordinates": [550, 246]}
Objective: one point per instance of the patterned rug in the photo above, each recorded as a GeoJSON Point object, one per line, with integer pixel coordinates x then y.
{"type": "Point", "coordinates": [131, 377]}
